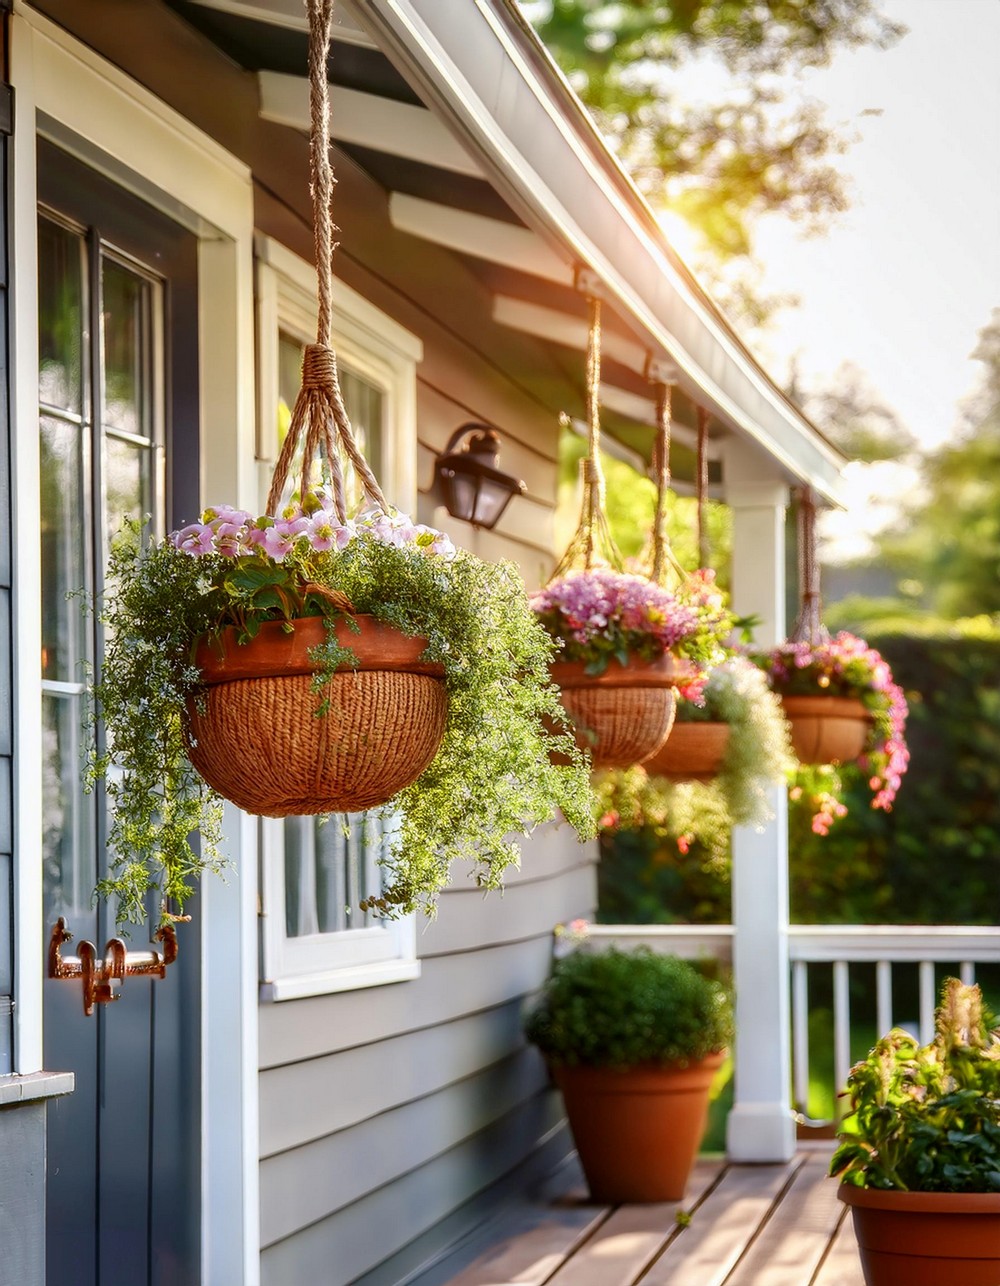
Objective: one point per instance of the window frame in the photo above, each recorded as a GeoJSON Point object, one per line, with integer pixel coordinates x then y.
{"type": "Point", "coordinates": [383, 352]}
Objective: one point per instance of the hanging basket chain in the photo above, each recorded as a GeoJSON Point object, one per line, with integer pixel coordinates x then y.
{"type": "Point", "coordinates": [319, 417]}
{"type": "Point", "coordinates": [592, 544]}
{"type": "Point", "coordinates": [702, 486]}
{"type": "Point", "coordinates": [809, 627]}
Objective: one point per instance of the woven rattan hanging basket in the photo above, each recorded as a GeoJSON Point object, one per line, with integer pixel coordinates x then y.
{"type": "Point", "coordinates": [624, 715]}
{"type": "Point", "coordinates": [382, 726]}
{"type": "Point", "coordinates": [826, 730]}
{"type": "Point", "coordinates": [694, 751]}
{"type": "Point", "coordinates": [261, 730]}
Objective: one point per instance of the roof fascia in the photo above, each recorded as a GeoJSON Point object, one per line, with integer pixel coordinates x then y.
{"type": "Point", "coordinates": [483, 70]}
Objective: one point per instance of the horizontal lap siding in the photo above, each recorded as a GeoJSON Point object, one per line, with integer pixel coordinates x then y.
{"type": "Point", "coordinates": [384, 1112]}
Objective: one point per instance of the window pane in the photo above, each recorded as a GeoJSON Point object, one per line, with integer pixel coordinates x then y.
{"type": "Point", "coordinates": [366, 406]}
{"type": "Point", "coordinates": [60, 316]}
{"type": "Point", "coordinates": [125, 310]}
{"type": "Point", "coordinates": [328, 871]}
{"type": "Point", "coordinates": [63, 554]}
{"type": "Point", "coordinates": [68, 859]}
{"type": "Point", "coordinates": [128, 482]}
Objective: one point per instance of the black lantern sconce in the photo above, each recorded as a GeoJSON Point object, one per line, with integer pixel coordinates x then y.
{"type": "Point", "coordinates": [472, 487]}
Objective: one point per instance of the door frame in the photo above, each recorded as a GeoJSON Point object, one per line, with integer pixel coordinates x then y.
{"type": "Point", "coordinates": [89, 108]}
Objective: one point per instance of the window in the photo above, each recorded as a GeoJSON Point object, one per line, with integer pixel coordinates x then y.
{"type": "Point", "coordinates": [315, 873]}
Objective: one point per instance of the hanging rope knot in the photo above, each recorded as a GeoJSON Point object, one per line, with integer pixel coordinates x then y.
{"type": "Point", "coordinates": [591, 472]}
{"type": "Point", "coordinates": [319, 367]}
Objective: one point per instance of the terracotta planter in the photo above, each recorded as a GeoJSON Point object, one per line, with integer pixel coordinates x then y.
{"type": "Point", "coordinates": [693, 752]}
{"type": "Point", "coordinates": [926, 1238]}
{"type": "Point", "coordinates": [826, 730]}
{"type": "Point", "coordinates": [624, 715]}
{"type": "Point", "coordinates": [637, 1131]}
{"type": "Point", "coordinates": [255, 736]}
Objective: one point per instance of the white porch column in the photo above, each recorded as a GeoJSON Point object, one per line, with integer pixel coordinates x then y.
{"type": "Point", "coordinates": [760, 1125]}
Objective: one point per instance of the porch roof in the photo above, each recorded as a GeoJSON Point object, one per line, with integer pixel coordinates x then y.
{"type": "Point", "coordinates": [507, 169]}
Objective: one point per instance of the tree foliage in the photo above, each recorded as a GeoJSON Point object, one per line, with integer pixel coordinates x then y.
{"type": "Point", "coordinates": [750, 147]}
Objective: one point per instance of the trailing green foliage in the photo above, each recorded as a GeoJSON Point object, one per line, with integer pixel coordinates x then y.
{"type": "Point", "coordinates": [618, 1009]}
{"type": "Point", "coordinates": [492, 778]}
{"type": "Point", "coordinates": [927, 1118]}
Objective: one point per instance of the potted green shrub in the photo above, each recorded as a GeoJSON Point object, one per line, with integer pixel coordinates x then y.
{"type": "Point", "coordinates": [206, 598]}
{"type": "Point", "coordinates": [633, 1040]}
{"type": "Point", "coordinates": [920, 1158]}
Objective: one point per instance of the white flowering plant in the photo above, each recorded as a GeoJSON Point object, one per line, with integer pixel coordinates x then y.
{"type": "Point", "coordinates": [493, 776]}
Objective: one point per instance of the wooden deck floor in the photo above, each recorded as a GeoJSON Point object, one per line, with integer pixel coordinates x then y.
{"type": "Point", "coordinates": [750, 1225]}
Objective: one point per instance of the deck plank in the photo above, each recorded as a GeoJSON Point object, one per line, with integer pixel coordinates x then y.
{"type": "Point", "coordinates": [842, 1266]}
{"type": "Point", "coordinates": [530, 1243]}
{"type": "Point", "coordinates": [722, 1227]}
{"type": "Point", "coordinates": [792, 1243]}
{"type": "Point", "coordinates": [621, 1248]}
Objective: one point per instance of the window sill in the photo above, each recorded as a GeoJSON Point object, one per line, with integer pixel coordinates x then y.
{"type": "Point", "coordinates": [377, 974]}
{"type": "Point", "coordinates": [16, 1091]}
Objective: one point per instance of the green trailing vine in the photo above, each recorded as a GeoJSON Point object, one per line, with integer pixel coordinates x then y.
{"type": "Point", "coordinates": [493, 776]}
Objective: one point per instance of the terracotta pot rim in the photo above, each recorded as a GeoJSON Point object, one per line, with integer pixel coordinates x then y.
{"type": "Point", "coordinates": [665, 671]}
{"type": "Point", "coordinates": [986, 1203]}
{"type": "Point", "coordinates": [276, 651]}
{"type": "Point", "coordinates": [839, 707]}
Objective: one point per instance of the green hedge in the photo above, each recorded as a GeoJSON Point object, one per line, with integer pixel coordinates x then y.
{"type": "Point", "coordinates": [935, 859]}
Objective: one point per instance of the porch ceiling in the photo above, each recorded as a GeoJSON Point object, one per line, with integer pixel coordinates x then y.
{"type": "Point", "coordinates": [483, 149]}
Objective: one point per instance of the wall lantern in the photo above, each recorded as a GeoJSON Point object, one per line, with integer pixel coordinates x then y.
{"type": "Point", "coordinates": [472, 486]}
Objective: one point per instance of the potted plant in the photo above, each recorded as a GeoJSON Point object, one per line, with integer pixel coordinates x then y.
{"type": "Point", "coordinates": [842, 706]}
{"type": "Point", "coordinates": [626, 647]}
{"type": "Point", "coordinates": [920, 1159]}
{"type": "Point", "coordinates": [633, 1041]}
{"type": "Point", "coordinates": [183, 612]}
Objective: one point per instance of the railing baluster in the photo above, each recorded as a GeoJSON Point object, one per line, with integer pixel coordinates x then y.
{"type": "Point", "coordinates": [928, 1000]}
{"type": "Point", "coordinates": [841, 1025]}
{"type": "Point", "coordinates": [967, 972]}
{"type": "Point", "coordinates": [883, 996]}
{"type": "Point", "coordinates": [800, 1035]}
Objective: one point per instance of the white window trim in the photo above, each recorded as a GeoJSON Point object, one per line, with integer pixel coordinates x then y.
{"type": "Point", "coordinates": [381, 350]}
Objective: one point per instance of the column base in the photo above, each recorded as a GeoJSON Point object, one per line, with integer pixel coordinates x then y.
{"type": "Point", "coordinates": [760, 1132]}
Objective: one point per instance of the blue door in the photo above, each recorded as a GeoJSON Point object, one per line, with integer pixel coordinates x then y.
{"type": "Point", "coordinates": [117, 404]}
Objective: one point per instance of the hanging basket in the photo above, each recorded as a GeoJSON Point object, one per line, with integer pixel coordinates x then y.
{"type": "Point", "coordinates": [826, 730]}
{"type": "Point", "coordinates": [694, 751]}
{"type": "Point", "coordinates": [624, 715]}
{"type": "Point", "coordinates": [256, 737]}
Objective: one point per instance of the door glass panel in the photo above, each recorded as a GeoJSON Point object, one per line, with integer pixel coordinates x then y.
{"type": "Point", "coordinates": [128, 482]}
{"type": "Point", "coordinates": [62, 464]}
{"type": "Point", "coordinates": [61, 333]}
{"type": "Point", "coordinates": [68, 854]}
{"type": "Point", "coordinates": [124, 318]}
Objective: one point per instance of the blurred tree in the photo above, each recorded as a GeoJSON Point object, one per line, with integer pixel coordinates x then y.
{"type": "Point", "coordinates": [946, 547]}
{"type": "Point", "coordinates": [747, 148]}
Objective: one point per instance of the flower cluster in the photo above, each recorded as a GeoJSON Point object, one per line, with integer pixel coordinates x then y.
{"type": "Point", "coordinates": [602, 615]}
{"type": "Point", "coordinates": [235, 533]}
{"type": "Point", "coordinates": [845, 666]}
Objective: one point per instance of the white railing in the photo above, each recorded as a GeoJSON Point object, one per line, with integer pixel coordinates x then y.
{"type": "Point", "coordinates": [932, 950]}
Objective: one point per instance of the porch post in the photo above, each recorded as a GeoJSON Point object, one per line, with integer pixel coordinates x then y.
{"type": "Point", "coordinates": [760, 1125]}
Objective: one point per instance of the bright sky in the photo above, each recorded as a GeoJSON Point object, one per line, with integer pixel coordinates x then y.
{"type": "Point", "coordinates": [903, 283]}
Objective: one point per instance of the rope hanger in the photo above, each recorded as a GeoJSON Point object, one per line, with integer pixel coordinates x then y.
{"type": "Point", "coordinates": [809, 628]}
{"type": "Point", "coordinates": [319, 417]}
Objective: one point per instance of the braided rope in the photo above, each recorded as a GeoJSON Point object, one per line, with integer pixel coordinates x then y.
{"type": "Point", "coordinates": [592, 543]}
{"type": "Point", "coordinates": [809, 627]}
{"type": "Point", "coordinates": [319, 417]}
{"type": "Point", "coordinates": [701, 483]}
